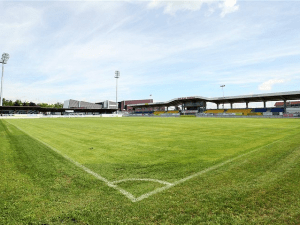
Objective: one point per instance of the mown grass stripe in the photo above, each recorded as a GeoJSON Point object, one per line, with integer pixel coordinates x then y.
{"type": "Point", "coordinates": [202, 172]}
{"type": "Point", "coordinates": [41, 187]}
{"type": "Point", "coordinates": [99, 177]}
{"type": "Point", "coordinates": [158, 190]}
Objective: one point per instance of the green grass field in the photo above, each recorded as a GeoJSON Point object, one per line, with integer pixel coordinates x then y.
{"type": "Point", "coordinates": [149, 171]}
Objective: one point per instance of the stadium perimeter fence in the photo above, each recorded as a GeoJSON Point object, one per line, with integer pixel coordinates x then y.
{"type": "Point", "coordinates": [34, 116]}
{"type": "Point", "coordinates": [28, 116]}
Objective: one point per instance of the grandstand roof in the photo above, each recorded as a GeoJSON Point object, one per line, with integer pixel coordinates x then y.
{"type": "Point", "coordinates": [277, 96]}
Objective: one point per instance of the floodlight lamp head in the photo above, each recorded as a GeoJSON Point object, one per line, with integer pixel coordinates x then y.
{"type": "Point", "coordinates": [5, 57]}
{"type": "Point", "coordinates": [222, 85]}
{"type": "Point", "coordinates": [117, 74]}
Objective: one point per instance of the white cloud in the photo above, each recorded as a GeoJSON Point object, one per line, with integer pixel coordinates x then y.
{"type": "Point", "coordinates": [228, 6]}
{"type": "Point", "coordinates": [64, 50]}
{"type": "Point", "coordinates": [267, 86]}
{"type": "Point", "coordinates": [171, 7]}
{"type": "Point", "coordinates": [17, 25]}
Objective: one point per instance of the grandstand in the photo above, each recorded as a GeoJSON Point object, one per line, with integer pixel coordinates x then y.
{"type": "Point", "coordinates": [12, 110]}
{"type": "Point", "coordinates": [244, 112]}
{"type": "Point", "coordinates": [157, 113]}
{"type": "Point", "coordinates": [172, 112]}
{"type": "Point", "coordinates": [184, 106]}
{"type": "Point", "coordinates": [197, 104]}
{"type": "Point", "coordinates": [214, 111]}
{"type": "Point", "coordinates": [248, 112]}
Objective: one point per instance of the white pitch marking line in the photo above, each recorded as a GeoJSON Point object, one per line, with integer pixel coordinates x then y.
{"type": "Point", "coordinates": [107, 182]}
{"type": "Point", "coordinates": [168, 185]}
{"type": "Point", "coordinates": [199, 173]}
{"type": "Point", "coordinates": [142, 179]}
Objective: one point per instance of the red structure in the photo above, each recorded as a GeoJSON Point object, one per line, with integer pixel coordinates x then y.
{"type": "Point", "coordinates": [288, 104]}
{"type": "Point", "coordinates": [124, 104]}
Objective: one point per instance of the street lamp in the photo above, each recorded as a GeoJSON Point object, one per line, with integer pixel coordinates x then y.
{"type": "Point", "coordinates": [117, 75]}
{"type": "Point", "coordinates": [4, 59]}
{"type": "Point", "coordinates": [222, 86]}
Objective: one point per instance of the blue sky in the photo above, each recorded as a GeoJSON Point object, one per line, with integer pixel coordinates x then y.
{"type": "Point", "coordinates": [63, 50]}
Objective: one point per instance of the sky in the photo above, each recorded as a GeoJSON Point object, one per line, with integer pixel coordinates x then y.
{"type": "Point", "coordinates": [63, 50]}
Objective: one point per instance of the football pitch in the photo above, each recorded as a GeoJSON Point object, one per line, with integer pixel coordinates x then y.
{"type": "Point", "coordinates": [150, 171]}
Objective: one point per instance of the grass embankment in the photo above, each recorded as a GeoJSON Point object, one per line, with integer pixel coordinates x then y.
{"type": "Point", "coordinates": [40, 186]}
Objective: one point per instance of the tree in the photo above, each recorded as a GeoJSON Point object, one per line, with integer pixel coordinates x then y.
{"type": "Point", "coordinates": [58, 105]}
{"type": "Point", "coordinates": [7, 102]}
{"type": "Point", "coordinates": [44, 105]}
{"type": "Point", "coordinates": [18, 103]}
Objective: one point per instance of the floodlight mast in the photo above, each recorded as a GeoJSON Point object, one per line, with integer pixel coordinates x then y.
{"type": "Point", "coordinates": [4, 59]}
{"type": "Point", "coordinates": [117, 75]}
{"type": "Point", "coordinates": [222, 86]}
